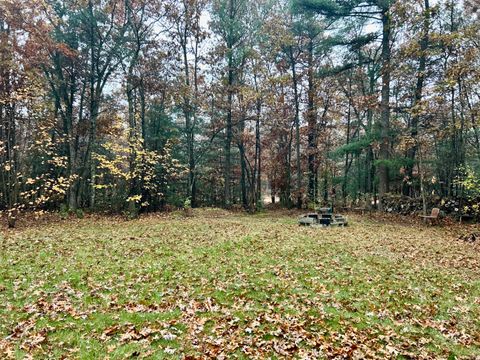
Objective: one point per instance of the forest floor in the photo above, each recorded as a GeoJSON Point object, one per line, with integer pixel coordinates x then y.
{"type": "Point", "coordinates": [222, 284]}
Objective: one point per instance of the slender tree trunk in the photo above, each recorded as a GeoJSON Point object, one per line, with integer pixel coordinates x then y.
{"type": "Point", "coordinates": [369, 159]}
{"type": "Point", "coordinates": [256, 178]}
{"type": "Point", "coordinates": [258, 154]}
{"type": "Point", "coordinates": [297, 127]}
{"type": "Point", "coordinates": [188, 112]}
{"type": "Point", "coordinates": [312, 127]}
{"type": "Point", "coordinates": [9, 158]}
{"type": "Point", "coordinates": [384, 124]}
{"type": "Point", "coordinates": [243, 162]}
{"type": "Point", "coordinates": [454, 140]}
{"type": "Point", "coordinates": [418, 95]}
{"type": "Point", "coordinates": [454, 143]}
{"type": "Point", "coordinates": [228, 137]}
{"type": "Point", "coordinates": [228, 129]}
{"type": "Point", "coordinates": [461, 154]}
{"type": "Point", "coordinates": [93, 107]}
{"type": "Point", "coordinates": [422, 186]}
{"type": "Point", "coordinates": [76, 188]}
{"type": "Point", "coordinates": [141, 93]}
{"type": "Point", "coordinates": [347, 154]}
{"type": "Point", "coordinates": [132, 135]}
{"type": "Point", "coordinates": [192, 162]}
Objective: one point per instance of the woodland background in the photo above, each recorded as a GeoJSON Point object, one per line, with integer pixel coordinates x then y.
{"type": "Point", "coordinates": [141, 105]}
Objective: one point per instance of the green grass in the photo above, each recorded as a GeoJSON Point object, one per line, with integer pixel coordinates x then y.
{"type": "Point", "coordinates": [236, 285]}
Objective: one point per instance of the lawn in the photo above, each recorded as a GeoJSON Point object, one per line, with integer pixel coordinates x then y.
{"type": "Point", "coordinates": [225, 285]}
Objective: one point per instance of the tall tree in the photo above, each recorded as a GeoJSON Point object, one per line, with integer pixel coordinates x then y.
{"type": "Point", "coordinates": [186, 16]}
{"type": "Point", "coordinates": [418, 95]}
{"type": "Point", "coordinates": [379, 11]}
{"type": "Point", "coordinates": [230, 18]}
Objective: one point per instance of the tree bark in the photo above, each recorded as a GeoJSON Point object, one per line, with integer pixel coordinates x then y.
{"type": "Point", "coordinates": [384, 125]}
{"type": "Point", "coordinates": [296, 99]}
{"type": "Point", "coordinates": [228, 128]}
{"type": "Point", "coordinates": [418, 96]}
{"type": "Point", "coordinates": [312, 127]}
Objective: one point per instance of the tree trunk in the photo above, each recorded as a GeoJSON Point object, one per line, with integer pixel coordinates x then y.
{"type": "Point", "coordinates": [369, 159]}
{"type": "Point", "coordinates": [347, 154]}
{"type": "Point", "coordinates": [384, 125]}
{"type": "Point", "coordinates": [228, 128]}
{"type": "Point", "coordinates": [256, 178]}
{"type": "Point", "coordinates": [188, 113]}
{"type": "Point", "coordinates": [312, 127]}
{"type": "Point", "coordinates": [228, 138]}
{"type": "Point", "coordinates": [241, 149]}
{"type": "Point", "coordinates": [132, 134]}
{"type": "Point", "coordinates": [297, 127]}
{"type": "Point", "coordinates": [258, 155]}
{"type": "Point", "coordinates": [418, 96]}
{"type": "Point", "coordinates": [93, 108]}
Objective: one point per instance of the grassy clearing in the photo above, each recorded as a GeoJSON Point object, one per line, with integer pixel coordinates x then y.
{"type": "Point", "coordinates": [229, 285]}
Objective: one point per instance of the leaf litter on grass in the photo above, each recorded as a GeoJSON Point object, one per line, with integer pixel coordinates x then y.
{"type": "Point", "coordinates": [238, 286]}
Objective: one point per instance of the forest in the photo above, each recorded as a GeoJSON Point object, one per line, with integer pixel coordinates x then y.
{"type": "Point", "coordinates": [157, 158]}
{"type": "Point", "coordinates": [139, 105]}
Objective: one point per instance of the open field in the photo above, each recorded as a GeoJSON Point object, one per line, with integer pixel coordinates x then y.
{"type": "Point", "coordinates": [233, 285]}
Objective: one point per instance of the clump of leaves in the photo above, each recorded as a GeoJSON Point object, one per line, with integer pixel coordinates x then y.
{"type": "Point", "coordinates": [469, 181]}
